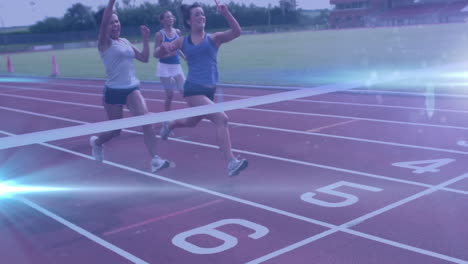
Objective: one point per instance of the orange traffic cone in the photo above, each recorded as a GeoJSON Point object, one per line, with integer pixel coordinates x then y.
{"type": "Point", "coordinates": [9, 65]}
{"type": "Point", "coordinates": [55, 71]}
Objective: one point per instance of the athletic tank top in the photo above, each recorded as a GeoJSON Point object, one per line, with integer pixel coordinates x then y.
{"type": "Point", "coordinates": [174, 59]}
{"type": "Point", "coordinates": [118, 61]}
{"type": "Point", "coordinates": [201, 60]}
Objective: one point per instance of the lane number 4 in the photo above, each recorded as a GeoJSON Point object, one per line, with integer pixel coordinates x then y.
{"type": "Point", "coordinates": [418, 168]}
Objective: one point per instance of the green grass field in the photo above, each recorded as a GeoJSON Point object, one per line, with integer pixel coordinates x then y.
{"type": "Point", "coordinates": [294, 58]}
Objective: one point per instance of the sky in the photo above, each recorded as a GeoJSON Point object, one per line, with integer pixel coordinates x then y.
{"type": "Point", "coordinates": [27, 12]}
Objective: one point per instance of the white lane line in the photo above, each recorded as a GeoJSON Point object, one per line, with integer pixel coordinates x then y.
{"type": "Point", "coordinates": [80, 130]}
{"type": "Point", "coordinates": [266, 156]}
{"type": "Point", "coordinates": [422, 94]}
{"type": "Point", "coordinates": [83, 232]}
{"type": "Point", "coordinates": [248, 96]}
{"type": "Point", "coordinates": [279, 111]}
{"type": "Point", "coordinates": [333, 228]}
{"type": "Point", "coordinates": [346, 228]}
{"type": "Point", "coordinates": [276, 129]}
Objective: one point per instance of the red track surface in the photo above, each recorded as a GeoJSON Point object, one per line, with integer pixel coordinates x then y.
{"type": "Point", "coordinates": [385, 214]}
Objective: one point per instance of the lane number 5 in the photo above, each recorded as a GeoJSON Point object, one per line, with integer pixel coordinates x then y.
{"type": "Point", "coordinates": [349, 199]}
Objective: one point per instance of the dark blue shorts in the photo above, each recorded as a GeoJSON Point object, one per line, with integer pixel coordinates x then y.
{"type": "Point", "coordinates": [191, 89]}
{"type": "Point", "coordinates": [117, 96]}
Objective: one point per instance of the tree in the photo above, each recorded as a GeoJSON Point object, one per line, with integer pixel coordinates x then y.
{"type": "Point", "coordinates": [50, 24]}
{"type": "Point", "coordinates": [128, 3]}
{"type": "Point", "coordinates": [269, 15]}
{"type": "Point", "coordinates": [79, 17]}
{"type": "Point", "coordinates": [164, 3]}
{"type": "Point", "coordinates": [287, 6]}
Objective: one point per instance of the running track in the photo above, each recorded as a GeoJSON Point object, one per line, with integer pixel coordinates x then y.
{"type": "Point", "coordinates": [346, 177]}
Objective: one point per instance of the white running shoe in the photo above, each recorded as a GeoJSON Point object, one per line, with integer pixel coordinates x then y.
{"type": "Point", "coordinates": [158, 164]}
{"type": "Point", "coordinates": [165, 131]}
{"type": "Point", "coordinates": [96, 150]}
{"type": "Point", "coordinates": [235, 166]}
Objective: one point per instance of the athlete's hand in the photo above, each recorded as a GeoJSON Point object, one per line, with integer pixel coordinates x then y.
{"type": "Point", "coordinates": [221, 8]}
{"type": "Point", "coordinates": [167, 47]}
{"type": "Point", "coordinates": [145, 31]}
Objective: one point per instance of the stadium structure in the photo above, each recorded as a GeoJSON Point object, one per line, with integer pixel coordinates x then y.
{"type": "Point", "coordinates": [370, 13]}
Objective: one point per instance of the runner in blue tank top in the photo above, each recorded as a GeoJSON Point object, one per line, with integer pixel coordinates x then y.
{"type": "Point", "coordinates": [201, 50]}
{"type": "Point", "coordinates": [169, 69]}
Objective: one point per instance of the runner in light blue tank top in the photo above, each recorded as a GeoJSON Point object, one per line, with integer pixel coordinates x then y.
{"type": "Point", "coordinates": [168, 68]}
{"type": "Point", "coordinates": [166, 38]}
{"type": "Point", "coordinates": [201, 50]}
{"type": "Point", "coordinates": [202, 60]}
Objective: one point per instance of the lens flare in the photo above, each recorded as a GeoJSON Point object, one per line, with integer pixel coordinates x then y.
{"type": "Point", "coordinates": [4, 79]}
{"type": "Point", "coordinates": [10, 189]}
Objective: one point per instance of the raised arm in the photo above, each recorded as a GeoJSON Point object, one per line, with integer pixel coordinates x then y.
{"type": "Point", "coordinates": [143, 56]}
{"type": "Point", "coordinates": [234, 31]}
{"type": "Point", "coordinates": [104, 38]}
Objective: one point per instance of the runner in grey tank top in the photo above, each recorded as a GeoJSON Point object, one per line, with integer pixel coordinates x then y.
{"type": "Point", "coordinates": [122, 86]}
{"type": "Point", "coordinates": [201, 51]}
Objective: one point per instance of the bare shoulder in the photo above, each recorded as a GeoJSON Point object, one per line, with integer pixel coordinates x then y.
{"type": "Point", "coordinates": [158, 34]}
{"type": "Point", "coordinates": [216, 35]}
